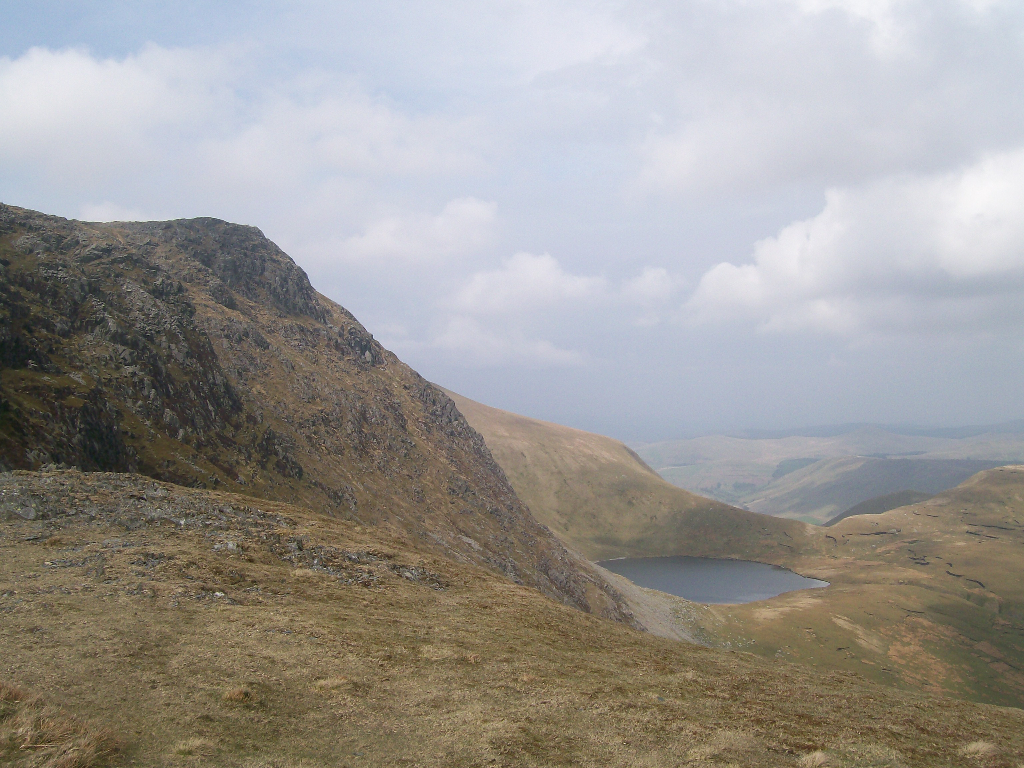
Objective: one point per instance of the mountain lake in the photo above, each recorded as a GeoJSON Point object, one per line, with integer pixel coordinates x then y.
{"type": "Point", "coordinates": [710, 580]}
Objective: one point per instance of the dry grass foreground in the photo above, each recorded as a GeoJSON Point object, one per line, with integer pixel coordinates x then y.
{"type": "Point", "coordinates": [33, 732]}
{"type": "Point", "coordinates": [208, 628]}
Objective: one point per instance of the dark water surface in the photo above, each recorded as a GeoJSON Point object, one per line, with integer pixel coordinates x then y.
{"type": "Point", "coordinates": [709, 580]}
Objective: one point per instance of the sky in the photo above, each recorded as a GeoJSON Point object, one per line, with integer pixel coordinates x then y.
{"type": "Point", "coordinates": [649, 219]}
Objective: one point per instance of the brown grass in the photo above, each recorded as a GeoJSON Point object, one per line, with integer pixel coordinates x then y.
{"type": "Point", "coordinates": [346, 674]}
{"type": "Point", "coordinates": [815, 759]}
{"type": "Point", "coordinates": [194, 747]}
{"type": "Point", "coordinates": [332, 684]}
{"type": "Point", "coordinates": [33, 732]}
{"type": "Point", "coordinates": [237, 695]}
{"type": "Point", "coordinates": [979, 749]}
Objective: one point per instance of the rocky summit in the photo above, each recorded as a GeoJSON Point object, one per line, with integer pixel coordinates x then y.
{"type": "Point", "coordinates": [197, 352]}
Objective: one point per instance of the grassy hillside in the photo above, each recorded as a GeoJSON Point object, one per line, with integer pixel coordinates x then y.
{"type": "Point", "coordinates": [162, 626]}
{"type": "Point", "coordinates": [599, 497]}
{"type": "Point", "coordinates": [928, 596]}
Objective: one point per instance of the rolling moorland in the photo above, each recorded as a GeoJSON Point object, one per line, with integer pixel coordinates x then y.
{"type": "Point", "coordinates": [817, 477]}
{"type": "Point", "coordinates": [928, 597]}
{"type": "Point", "coordinates": [236, 531]}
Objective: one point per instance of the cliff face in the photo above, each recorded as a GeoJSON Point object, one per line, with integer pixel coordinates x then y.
{"type": "Point", "coordinates": [197, 352]}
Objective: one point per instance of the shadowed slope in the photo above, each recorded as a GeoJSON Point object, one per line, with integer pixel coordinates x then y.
{"type": "Point", "coordinates": [880, 504]}
{"type": "Point", "coordinates": [820, 491]}
{"type": "Point", "coordinates": [814, 478]}
{"type": "Point", "coordinates": [602, 499]}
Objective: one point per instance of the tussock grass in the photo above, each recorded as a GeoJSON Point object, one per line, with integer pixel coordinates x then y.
{"type": "Point", "coordinates": [332, 684]}
{"type": "Point", "coordinates": [194, 747]}
{"type": "Point", "coordinates": [979, 749]}
{"type": "Point", "coordinates": [36, 733]}
{"type": "Point", "coordinates": [727, 743]}
{"type": "Point", "coordinates": [816, 759]}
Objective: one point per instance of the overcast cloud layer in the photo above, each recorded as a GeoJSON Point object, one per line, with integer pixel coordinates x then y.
{"type": "Point", "coordinates": [642, 218]}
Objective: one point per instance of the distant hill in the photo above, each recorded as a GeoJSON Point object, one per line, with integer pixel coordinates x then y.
{"type": "Point", "coordinates": [836, 430]}
{"type": "Point", "coordinates": [818, 492]}
{"type": "Point", "coordinates": [197, 352]}
{"type": "Point", "coordinates": [762, 473]}
{"type": "Point", "coordinates": [599, 497]}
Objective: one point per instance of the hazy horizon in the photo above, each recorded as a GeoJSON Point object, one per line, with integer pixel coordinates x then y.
{"type": "Point", "coordinates": [645, 219]}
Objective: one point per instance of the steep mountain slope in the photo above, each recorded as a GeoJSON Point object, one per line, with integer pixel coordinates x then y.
{"type": "Point", "coordinates": [197, 352]}
{"type": "Point", "coordinates": [600, 498]}
{"type": "Point", "coordinates": [204, 628]}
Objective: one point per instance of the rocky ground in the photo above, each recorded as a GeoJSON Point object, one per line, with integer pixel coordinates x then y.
{"type": "Point", "coordinates": [164, 626]}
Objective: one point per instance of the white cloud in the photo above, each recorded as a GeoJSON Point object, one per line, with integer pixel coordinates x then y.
{"type": "Point", "coordinates": [463, 226]}
{"type": "Point", "coordinates": [468, 343]}
{"type": "Point", "coordinates": [205, 119]}
{"type": "Point", "coordinates": [909, 253]}
{"type": "Point", "coordinates": [508, 315]}
{"type": "Point", "coordinates": [883, 17]}
{"type": "Point", "coordinates": [524, 283]}
{"type": "Point", "coordinates": [300, 136]}
{"type": "Point", "coordinates": [651, 291]}
{"type": "Point", "coordinates": [653, 285]}
{"type": "Point", "coordinates": [818, 93]}
{"type": "Point", "coordinates": [477, 345]}
{"type": "Point", "coordinates": [69, 112]}
{"type": "Point", "coordinates": [891, 22]}
{"type": "Point", "coordinates": [544, 36]}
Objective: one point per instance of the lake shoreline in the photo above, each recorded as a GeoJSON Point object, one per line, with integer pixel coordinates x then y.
{"type": "Point", "coordinates": [711, 581]}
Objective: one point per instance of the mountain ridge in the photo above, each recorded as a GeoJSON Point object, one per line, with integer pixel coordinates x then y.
{"type": "Point", "coordinates": [196, 351]}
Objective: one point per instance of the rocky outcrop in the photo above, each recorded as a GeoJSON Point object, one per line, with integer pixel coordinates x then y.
{"type": "Point", "coordinates": [197, 352]}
